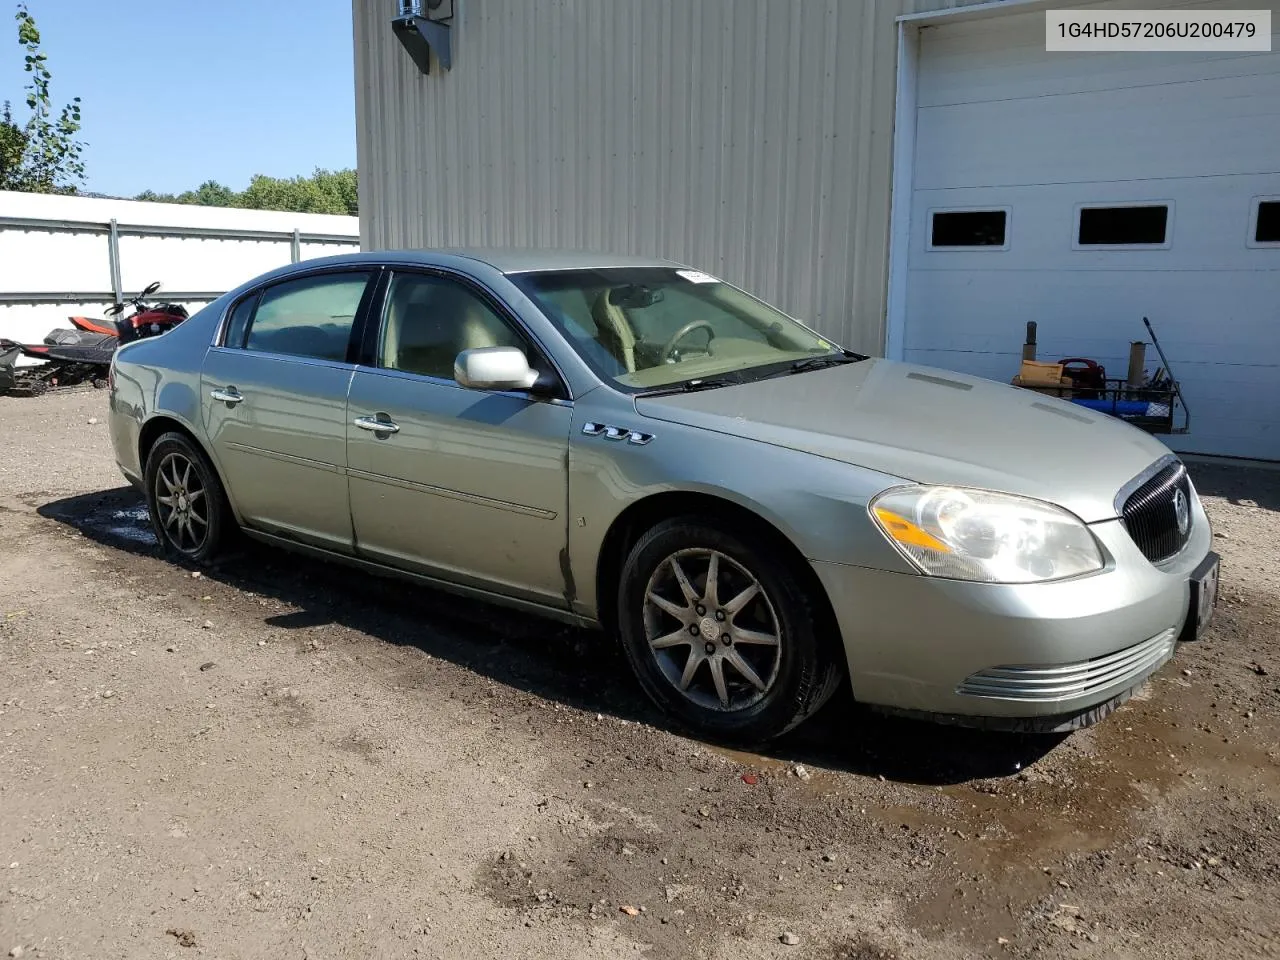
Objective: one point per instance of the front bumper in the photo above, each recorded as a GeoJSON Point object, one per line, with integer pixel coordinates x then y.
{"type": "Point", "coordinates": [983, 652]}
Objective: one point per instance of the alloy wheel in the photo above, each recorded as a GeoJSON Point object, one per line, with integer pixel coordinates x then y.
{"type": "Point", "coordinates": [712, 629]}
{"type": "Point", "coordinates": [183, 503]}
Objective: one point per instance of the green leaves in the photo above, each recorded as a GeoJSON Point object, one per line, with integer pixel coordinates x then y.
{"type": "Point", "coordinates": [325, 191]}
{"type": "Point", "coordinates": [42, 154]}
{"type": "Point", "coordinates": [28, 32]}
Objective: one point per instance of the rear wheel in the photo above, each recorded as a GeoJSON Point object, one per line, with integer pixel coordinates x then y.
{"type": "Point", "coordinates": [189, 510]}
{"type": "Point", "coordinates": [721, 634]}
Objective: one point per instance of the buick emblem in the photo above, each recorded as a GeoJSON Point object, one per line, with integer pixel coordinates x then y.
{"type": "Point", "coordinates": [1181, 512]}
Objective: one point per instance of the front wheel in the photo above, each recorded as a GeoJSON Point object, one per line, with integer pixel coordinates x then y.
{"type": "Point", "coordinates": [722, 635]}
{"type": "Point", "coordinates": [189, 510]}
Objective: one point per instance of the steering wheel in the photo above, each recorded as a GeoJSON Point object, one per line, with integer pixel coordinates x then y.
{"type": "Point", "coordinates": [669, 348]}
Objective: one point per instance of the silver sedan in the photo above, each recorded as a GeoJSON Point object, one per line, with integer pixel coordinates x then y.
{"type": "Point", "coordinates": [756, 514]}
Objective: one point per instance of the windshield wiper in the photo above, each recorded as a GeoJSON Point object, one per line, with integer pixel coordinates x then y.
{"type": "Point", "coordinates": [829, 360]}
{"type": "Point", "coordinates": [691, 386]}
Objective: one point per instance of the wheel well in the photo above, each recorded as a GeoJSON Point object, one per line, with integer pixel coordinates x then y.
{"type": "Point", "coordinates": [153, 430]}
{"type": "Point", "coordinates": [633, 522]}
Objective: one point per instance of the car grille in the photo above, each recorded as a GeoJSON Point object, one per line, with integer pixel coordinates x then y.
{"type": "Point", "coordinates": [1150, 513]}
{"type": "Point", "coordinates": [1069, 680]}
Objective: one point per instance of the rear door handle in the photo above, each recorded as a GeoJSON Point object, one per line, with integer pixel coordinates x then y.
{"type": "Point", "coordinates": [376, 425]}
{"type": "Point", "coordinates": [230, 395]}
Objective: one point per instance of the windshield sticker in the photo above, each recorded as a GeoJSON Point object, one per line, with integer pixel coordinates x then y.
{"type": "Point", "coordinates": [696, 276]}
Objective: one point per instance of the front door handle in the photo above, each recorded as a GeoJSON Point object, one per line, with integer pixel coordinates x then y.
{"type": "Point", "coordinates": [376, 424]}
{"type": "Point", "coordinates": [230, 396]}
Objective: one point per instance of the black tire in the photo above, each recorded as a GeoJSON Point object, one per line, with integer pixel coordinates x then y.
{"type": "Point", "coordinates": [801, 675]}
{"type": "Point", "coordinates": [176, 468]}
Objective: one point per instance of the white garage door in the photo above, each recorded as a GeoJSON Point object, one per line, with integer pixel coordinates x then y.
{"type": "Point", "coordinates": [1086, 191]}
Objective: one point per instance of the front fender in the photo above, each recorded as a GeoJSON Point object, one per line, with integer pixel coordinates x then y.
{"type": "Point", "coordinates": [820, 505]}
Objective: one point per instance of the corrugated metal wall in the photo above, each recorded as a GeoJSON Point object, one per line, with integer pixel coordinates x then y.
{"type": "Point", "coordinates": [751, 138]}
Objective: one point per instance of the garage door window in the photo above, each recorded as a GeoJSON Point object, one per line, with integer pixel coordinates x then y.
{"type": "Point", "coordinates": [1141, 225]}
{"type": "Point", "coordinates": [1266, 223]}
{"type": "Point", "coordinates": [968, 229]}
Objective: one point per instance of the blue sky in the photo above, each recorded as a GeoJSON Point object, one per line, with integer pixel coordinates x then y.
{"type": "Point", "coordinates": [175, 93]}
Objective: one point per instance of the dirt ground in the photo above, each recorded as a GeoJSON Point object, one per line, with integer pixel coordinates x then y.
{"type": "Point", "coordinates": [286, 759]}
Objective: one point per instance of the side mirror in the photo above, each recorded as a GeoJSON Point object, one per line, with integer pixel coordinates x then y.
{"type": "Point", "coordinates": [494, 368]}
{"type": "Point", "coordinates": [151, 288]}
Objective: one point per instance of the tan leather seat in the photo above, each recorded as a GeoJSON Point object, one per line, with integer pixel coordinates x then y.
{"type": "Point", "coordinates": [480, 328]}
{"type": "Point", "coordinates": [432, 323]}
{"type": "Point", "coordinates": [615, 331]}
{"type": "Point", "coordinates": [409, 328]}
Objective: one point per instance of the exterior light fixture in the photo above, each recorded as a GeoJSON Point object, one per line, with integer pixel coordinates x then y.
{"type": "Point", "coordinates": [423, 27]}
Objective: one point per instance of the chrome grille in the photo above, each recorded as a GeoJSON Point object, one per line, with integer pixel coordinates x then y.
{"type": "Point", "coordinates": [1150, 512]}
{"type": "Point", "coordinates": [1069, 680]}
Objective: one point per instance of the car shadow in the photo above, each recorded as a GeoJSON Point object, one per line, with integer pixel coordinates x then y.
{"type": "Point", "coordinates": [577, 667]}
{"type": "Point", "coordinates": [1243, 486]}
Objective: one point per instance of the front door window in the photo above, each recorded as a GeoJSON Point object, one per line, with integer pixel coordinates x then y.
{"type": "Point", "coordinates": [430, 320]}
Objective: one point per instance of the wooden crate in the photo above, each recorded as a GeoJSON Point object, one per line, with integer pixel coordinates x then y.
{"type": "Point", "coordinates": [1037, 372]}
{"type": "Point", "coordinates": [1062, 389]}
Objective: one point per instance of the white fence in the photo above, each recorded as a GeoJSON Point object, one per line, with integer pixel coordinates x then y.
{"type": "Point", "coordinates": [62, 256]}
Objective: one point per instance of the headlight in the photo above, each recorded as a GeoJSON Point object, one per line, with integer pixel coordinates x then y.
{"type": "Point", "coordinates": [979, 535]}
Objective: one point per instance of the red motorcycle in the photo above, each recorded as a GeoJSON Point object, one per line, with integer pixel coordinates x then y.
{"type": "Point", "coordinates": [147, 320]}
{"type": "Point", "coordinates": [83, 354]}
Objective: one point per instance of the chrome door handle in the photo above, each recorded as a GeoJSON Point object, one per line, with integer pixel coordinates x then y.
{"type": "Point", "coordinates": [230, 395]}
{"type": "Point", "coordinates": [376, 425]}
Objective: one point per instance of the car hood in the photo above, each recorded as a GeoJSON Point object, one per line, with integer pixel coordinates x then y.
{"type": "Point", "coordinates": [930, 426]}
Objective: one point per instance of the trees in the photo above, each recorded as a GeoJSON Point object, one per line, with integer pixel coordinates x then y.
{"type": "Point", "coordinates": [42, 154]}
{"type": "Point", "coordinates": [209, 194]}
{"type": "Point", "coordinates": [325, 191]}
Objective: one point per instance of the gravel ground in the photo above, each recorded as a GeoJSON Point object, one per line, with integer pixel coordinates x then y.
{"type": "Point", "coordinates": [286, 759]}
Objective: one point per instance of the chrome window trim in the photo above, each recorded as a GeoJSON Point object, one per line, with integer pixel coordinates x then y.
{"type": "Point", "coordinates": [445, 382]}
{"type": "Point", "coordinates": [220, 330]}
{"type": "Point", "coordinates": [291, 357]}
{"type": "Point", "coordinates": [220, 327]}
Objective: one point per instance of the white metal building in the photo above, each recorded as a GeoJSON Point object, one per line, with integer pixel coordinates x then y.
{"type": "Point", "coordinates": [67, 255]}
{"type": "Point", "coordinates": [915, 178]}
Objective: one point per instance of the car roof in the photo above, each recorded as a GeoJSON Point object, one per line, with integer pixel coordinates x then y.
{"type": "Point", "coordinates": [503, 259]}
{"type": "Point", "coordinates": [522, 260]}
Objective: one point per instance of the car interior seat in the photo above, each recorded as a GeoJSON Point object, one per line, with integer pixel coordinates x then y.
{"type": "Point", "coordinates": [615, 331]}
{"type": "Point", "coordinates": [481, 327]}
{"type": "Point", "coordinates": [432, 322]}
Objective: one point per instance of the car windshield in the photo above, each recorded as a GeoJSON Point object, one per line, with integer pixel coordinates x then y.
{"type": "Point", "coordinates": [650, 327]}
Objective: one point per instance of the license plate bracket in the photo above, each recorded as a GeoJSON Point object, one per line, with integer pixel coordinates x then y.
{"type": "Point", "coordinates": [1204, 597]}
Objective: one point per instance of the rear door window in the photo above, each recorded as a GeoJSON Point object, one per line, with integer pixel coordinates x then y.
{"type": "Point", "coordinates": [308, 317]}
{"type": "Point", "coordinates": [239, 322]}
